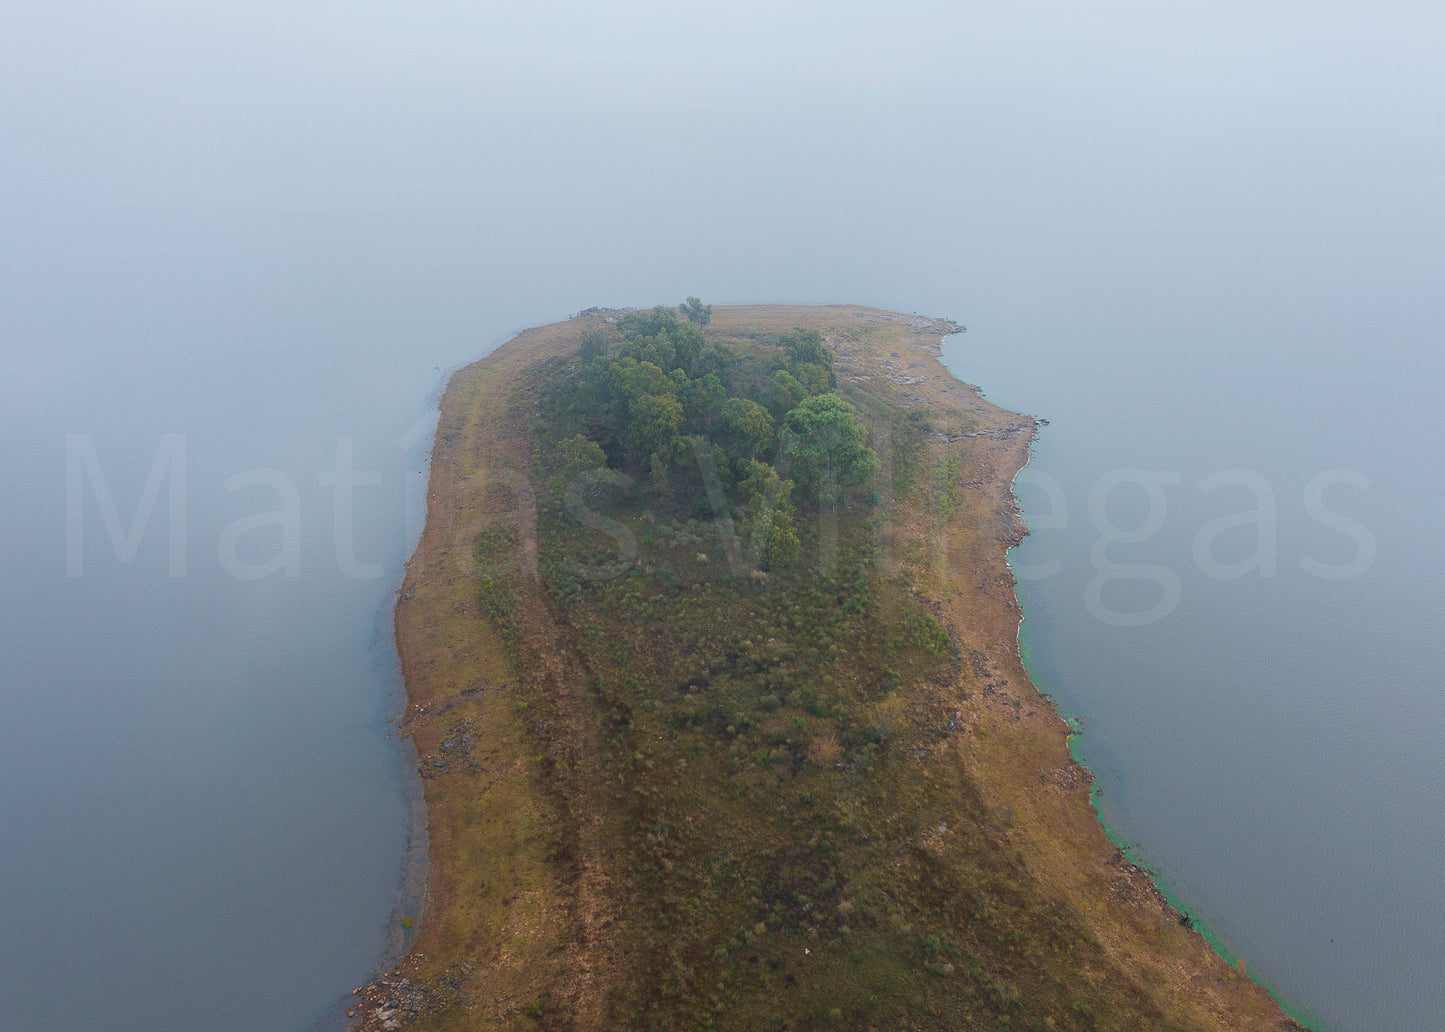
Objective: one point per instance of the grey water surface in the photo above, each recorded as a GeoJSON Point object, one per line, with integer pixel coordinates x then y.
{"type": "Point", "coordinates": [241, 246]}
{"type": "Point", "coordinates": [1263, 714]}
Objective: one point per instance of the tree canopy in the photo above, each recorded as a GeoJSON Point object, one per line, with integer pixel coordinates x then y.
{"type": "Point", "coordinates": [696, 311]}
{"type": "Point", "coordinates": [766, 422]}
{"type": "Point", "coordinates": [652, 414]}
{"type": "Point", "coordinates": [805, 346]}
{"type": "Point", "coordinates": [749, 428]}
{"type": "Point", "coordinates": [824, 442]}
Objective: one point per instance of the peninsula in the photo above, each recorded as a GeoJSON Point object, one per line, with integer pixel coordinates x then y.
{"type": "Point", "coordinates": [710, 651]}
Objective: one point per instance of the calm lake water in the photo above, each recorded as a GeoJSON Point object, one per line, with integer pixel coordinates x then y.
{"type": "Point", "coordinates": [241, 248]}
{"type": "Point", "coordinates": [1254, 661]}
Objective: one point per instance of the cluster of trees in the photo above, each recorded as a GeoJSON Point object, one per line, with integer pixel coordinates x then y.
{"type": "Point", "coordinates": [697, 422]}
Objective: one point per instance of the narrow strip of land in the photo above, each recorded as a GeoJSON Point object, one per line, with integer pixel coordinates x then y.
{"type": "Point", "coordinates": [678, 775]}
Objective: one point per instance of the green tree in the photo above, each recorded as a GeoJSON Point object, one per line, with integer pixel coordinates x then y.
{"type": "Point", "coordinates": [688, 342]}
{"type": "Point", "coordinates": [629, 379]}
{"type": "Point", "coordinates": [594, 344]}
{"type": "Point", "coordinates": [653, 421]}
{"type": "Point", "coordinates": [660, 320]}
{"type": "Point", "coordinates": [696, 311]}
{"type": "Point", "coordinates": [658, 337]}
{"type": "Point", "coordinates": [712, 395]}
{"type": "Point", "coordinates": [809, 360]}
{"type": "Point", "coordinates": [720, 360]}
{"type": "Point", "coordinates": [749, 428]}
{"type": "Point", "coordinates": [580, 455]}
{"type": "Point", "coordinates": [721, 467]}
{"type": "Point", "coordinates": [825, 444]}
{"type": "Point", "coordinates": [805, 346]}
{"type": "Point", "coordinates": [657, 349]}
{"type": "Point", "coordinates": [784, 393]}
{"type": "Point", "coordinates": [757, 482]}
{"type": "Point", "coordinates": [815, 379]}
{"type": "Point", "coordinates": [652, 417]}
{"type": "Point", "coordinates": [661, 483]}
{"type": "Point", "coordinates": [772, 539]}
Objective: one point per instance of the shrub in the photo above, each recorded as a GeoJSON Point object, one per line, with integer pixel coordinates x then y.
{"type": "Point", "coordinates": [886, 717]}
{"type": "Point", "coordinates": [824, 749]}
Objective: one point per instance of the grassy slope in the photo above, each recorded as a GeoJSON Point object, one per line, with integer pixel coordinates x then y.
{"type": "Point", "coordinates": [683, 798]}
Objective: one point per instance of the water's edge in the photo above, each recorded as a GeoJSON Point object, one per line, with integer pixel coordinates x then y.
{"type": "Point", "coordinates": [409, 909]}
{"type": "Point", "coordinates": [1295, 1009]}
